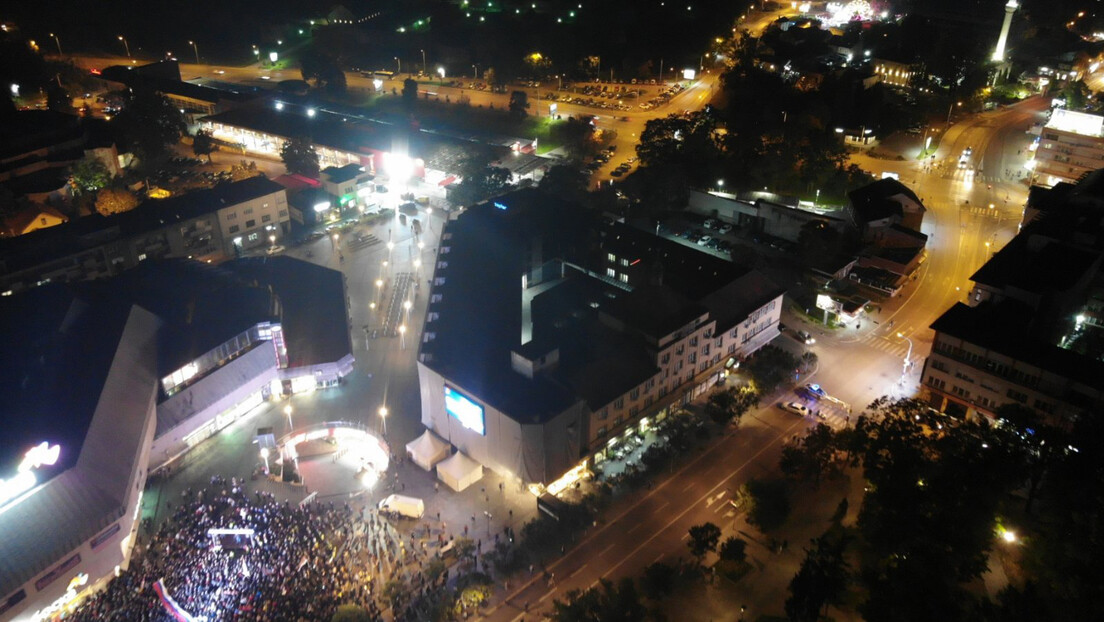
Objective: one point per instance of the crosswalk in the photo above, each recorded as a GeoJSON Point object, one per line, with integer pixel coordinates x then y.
{"type": "Point", "coordinates": [984, 212]}
{"type": "Point", "coordinates": [894, 347]}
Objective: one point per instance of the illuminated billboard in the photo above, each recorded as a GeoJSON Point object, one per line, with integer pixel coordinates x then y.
{"type": "Point", "coordinates": [464, 410]}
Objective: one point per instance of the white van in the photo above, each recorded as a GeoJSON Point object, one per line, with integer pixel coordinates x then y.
{"type": "Point", "coordinates": [401, 505]}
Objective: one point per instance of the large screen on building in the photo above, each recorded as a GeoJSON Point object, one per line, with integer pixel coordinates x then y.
{"type": "Point", "coordinates": [467, 412]}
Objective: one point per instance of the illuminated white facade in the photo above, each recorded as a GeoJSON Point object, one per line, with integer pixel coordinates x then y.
{"type": "Point", "coordinates": [1002, 40]}
{"type": "Point", "coordinates": [892, 72]}
{"type": "Point", "coordinates": [1071, 145]}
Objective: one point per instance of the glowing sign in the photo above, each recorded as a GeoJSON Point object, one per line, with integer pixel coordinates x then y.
{"type": "Point", "coordinates": [688, 74]}
{"type": "Point", "coordinates": [38, 456]}
{"type": "Point", "coordinates": [500, 206]}
{"type": "Point", "coordinates": [321, 207]}
{"type": "Point", "coordinates": [823, 301]}
{"type": "Point", "coordinates": [467, 412]}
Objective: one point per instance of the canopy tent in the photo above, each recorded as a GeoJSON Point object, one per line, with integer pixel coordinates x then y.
{"type": "Point", "coordinates": [427, 450]}
{"type": "Point", "coordinates": [459, 471]}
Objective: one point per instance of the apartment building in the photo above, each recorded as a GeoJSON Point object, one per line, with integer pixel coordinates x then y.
{"type": "Point", "coordinates": [1071, 145]}
{"type": "Point", "coordinates": [1030, 334]}
{"type": "Point", "coordinates": [536, 364]}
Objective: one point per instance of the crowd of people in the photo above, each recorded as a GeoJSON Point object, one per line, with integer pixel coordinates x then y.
{"type": "Point", "coordinates": [300, 563]}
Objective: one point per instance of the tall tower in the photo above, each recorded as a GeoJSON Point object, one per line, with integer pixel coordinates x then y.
{"type": "Point", "coordinates": [1009, 9]}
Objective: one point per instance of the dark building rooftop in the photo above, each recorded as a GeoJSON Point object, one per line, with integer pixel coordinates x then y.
{"type": "Point", "coordinates": [58, 347]}
{"type": "Point", "coordinates": [872, 201]}
{"type": "Point", "coordinates": [338, 174]}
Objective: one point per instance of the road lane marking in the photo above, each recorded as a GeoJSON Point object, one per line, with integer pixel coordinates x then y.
{"type": "Point", "coordinates": [581, 568]}
{"type": "Point", "coordinates": [603, 551]}
{"type": "Point", "coordinates": [703, 497]}
{"type": "Point", "coordinates": [545, 597]}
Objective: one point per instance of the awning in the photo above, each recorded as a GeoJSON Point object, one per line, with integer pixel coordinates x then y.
{"type": "Point", "coordinates": [446, 181]}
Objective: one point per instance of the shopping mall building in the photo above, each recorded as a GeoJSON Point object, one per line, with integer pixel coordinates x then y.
{"type": "Point", "coordinates": [106, 381]}
{"type": "Point", "coordinates": [550, 337]}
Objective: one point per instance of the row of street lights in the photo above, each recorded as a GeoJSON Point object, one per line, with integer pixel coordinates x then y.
{"type": "Point", "coordinates": [126, 46]}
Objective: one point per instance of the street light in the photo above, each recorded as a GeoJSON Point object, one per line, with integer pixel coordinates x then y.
{"type": "Point", "coordinates": [407, 305]}
{"type": "Point", "coordinates": [423, 62]}
{"type": "Point", "coordinates": [383, 418]}
{"type": "Point", "coordinates": [264, 455]}
{"type": "Point", "coordinates": [272, 239]}
{"type": "Point", "coordinates": [475, 67]}
{"type": "Point", "coordinates": [908, 355]}
{"type": "Point", "coordinates": [402, 336]}
{"type": "Point", "coordinates": [398, 64]}
{"type": "Point", "coordinates": [125, 45]}
{"type": "Point", "coordinates": [193, 44]}
{"type": "Point", "coordinates": [950, 109]}
{"type": "Point", "coordinates": [58, 42]}
{"type": "Point", "coordinates": [287, 411]}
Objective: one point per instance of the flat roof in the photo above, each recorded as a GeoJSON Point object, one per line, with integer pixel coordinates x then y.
{"type": "Point", "coordinates": [338, 174]}
{"type": "Point", "coordinates": [1035, 264]}
{"type": "Point", "coordinates": [58, 346]}
{"type": "Point", "coordinates": [478, 306]}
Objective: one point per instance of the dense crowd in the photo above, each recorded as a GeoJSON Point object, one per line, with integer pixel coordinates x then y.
{"type": "Point", "coordinates": [300, 564]}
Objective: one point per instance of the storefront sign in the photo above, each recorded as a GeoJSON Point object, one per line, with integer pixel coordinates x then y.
{"type": "Point", "coordinates": [99, 540]}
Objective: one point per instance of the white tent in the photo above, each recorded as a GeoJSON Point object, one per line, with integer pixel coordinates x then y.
{"type": "Point", "coordinates": [427, 450]}
{"type": "Point", "coordinates": [459, 471]}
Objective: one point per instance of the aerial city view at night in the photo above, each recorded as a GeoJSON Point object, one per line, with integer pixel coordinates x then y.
{"type": "Point", "coordinates": [564, 310]}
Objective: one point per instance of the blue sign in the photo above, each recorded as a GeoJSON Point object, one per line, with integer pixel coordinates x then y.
{"type": "Point", "coordinates": [499, 205]}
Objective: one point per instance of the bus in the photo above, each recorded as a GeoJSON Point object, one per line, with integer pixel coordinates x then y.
{"type": "Point", "coordinates": [379, 75]}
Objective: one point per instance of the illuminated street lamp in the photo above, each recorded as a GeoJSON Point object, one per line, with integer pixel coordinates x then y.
{"type": "Point", "coordinates": [398, 64]}
{"type": "Point", "coordinates": [264, 456]}
{"type": "Point", "coordinates": [125, 45]}
{"type": "Point", "coordinates": [58, 42]}
{"type": "Point", "coordinates": [383, 418]}
{"type": "Point", "coordinates": [196, 49]}
{"type": "Point", "coordinates": [423, 62]}
{"type": "Point", "coordinates": [272, 239]}
{"type": "Point", "coordinates": [287, 411]}
{"type": "Point", "coordinates": [402, 336]}
{"type": "Point", "coordinates": [407, 305]}
{"type": "Point", "coordinates": [908, 355]}
{"type": "Point", "coordinates": [1008, 536]}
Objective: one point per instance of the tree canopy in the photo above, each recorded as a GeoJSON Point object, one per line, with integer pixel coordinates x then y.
{"type": "Point", "coordinates": [300, 157]}
{"type": "Point", "coordinates": [149, 123]}
{"type": "Point", "coordinates": [203, 144]}
{"type": "Point", "coordinates": [606, 602]}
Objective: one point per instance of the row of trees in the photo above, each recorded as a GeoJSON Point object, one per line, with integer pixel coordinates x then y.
{"type": "Point", "coordinates": [937, 496]}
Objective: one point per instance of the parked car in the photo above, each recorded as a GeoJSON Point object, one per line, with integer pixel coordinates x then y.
{"type": "Point", "coordinates": [724, 228]}
{"type": "Point", "coordinates": [813, 391]}
{"type": "Point", "coordinates": [703, 240]}
{"type": "Point", "coordinates": [796, 408]}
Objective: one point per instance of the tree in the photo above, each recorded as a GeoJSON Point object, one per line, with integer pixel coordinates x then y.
{"type": "Point", "coordinates": [703, 539]}
{"type": "Point", "coordinates": [733, 549]}
{"type": "Point", "coordinates": [767, 503]}
{"type": "Point", "coordinates": [324, 70]}
{"type": "Point", "coordinates": [770, 367]}
{"type": "Point", "coordinates": [149, 123]}
{"type": "Point", "coordinates": [577, 136]}
{"type": "Point", "coordinates": [203, 144]}
{"type": "Point", "coordinates": [479, 178]}
{"type": "Point", "coordinates": [565, 181]}
{"type": "Point", "coordinates": [658, 580]}
{"type": "Point", "coordinates": [821, 580]}
{"type": "Point", "coordinates": [519, 104]}
{"type": "Point", "coordinates": [606, 603]}
{"type": "Point", "coordinates": [1043, 443]}
{"type": "Point", "coordinates": [115, 201]}
{"type": "Point", "coordinates": [58, 100]}
{"type": "Point", "coordinates": [88, 175]}
{"type": "Point", "coordinates": [731, 403]}
{"type": "Point", "coordinates": [811, 457]}
{"type": "Point", "coordinates": [300, 157]}
{"type": "Point", "coordinates": [410, 91]}
{"type": "Point", "coordinates": [351, 613]}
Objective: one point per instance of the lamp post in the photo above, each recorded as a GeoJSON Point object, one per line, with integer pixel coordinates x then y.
{"type": "Point", "coordinates": [475, 68]}
{"type": "Point", "coordinates": [196, 49]}
{"type": "Point", "coordinates": [908, 355]}
{"type": "Point", "coordinates": [423, 62]}
{"type": "Point", "coordinates": [58, 42]}
{"type": "Point", "coordinates": [125, 45]}
{"type": "Point", "coordinates": [264, 456]}
{"type": "Point", "coordinates": [272, 240]}
{"type": "Point", "coordinates": [950, 109]}
{"type": "Point", "coordinates": [402, 336]}
{"type": "Point", "coordinates": [287, 411]}
{"type": "Point", "coordinates": [398, 65]}
{"type": "Point", "coordinates": [383, 418]}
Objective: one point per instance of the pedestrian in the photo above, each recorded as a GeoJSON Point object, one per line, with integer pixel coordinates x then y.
{"type": "Point", "coordinates": [436, 487]}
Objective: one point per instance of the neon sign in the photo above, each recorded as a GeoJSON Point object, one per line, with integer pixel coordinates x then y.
{"type": "Point", "coordinates": [43, 454]}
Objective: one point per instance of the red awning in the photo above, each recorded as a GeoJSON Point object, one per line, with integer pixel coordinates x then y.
{"type": "Point", "coordinates": [446, 181]}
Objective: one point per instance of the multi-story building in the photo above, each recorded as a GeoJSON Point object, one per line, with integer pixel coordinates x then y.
{"type": "Point", "coordinates": [1030, 334]}
{"type": "Point", "coordinates": [216, 223]}
{"type": "Point", "coordinates": [549, 339]}
{"type": "Point", "coordinates": [892, 72]}
{"type": "Point", "coordinates": [1071, 145]}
